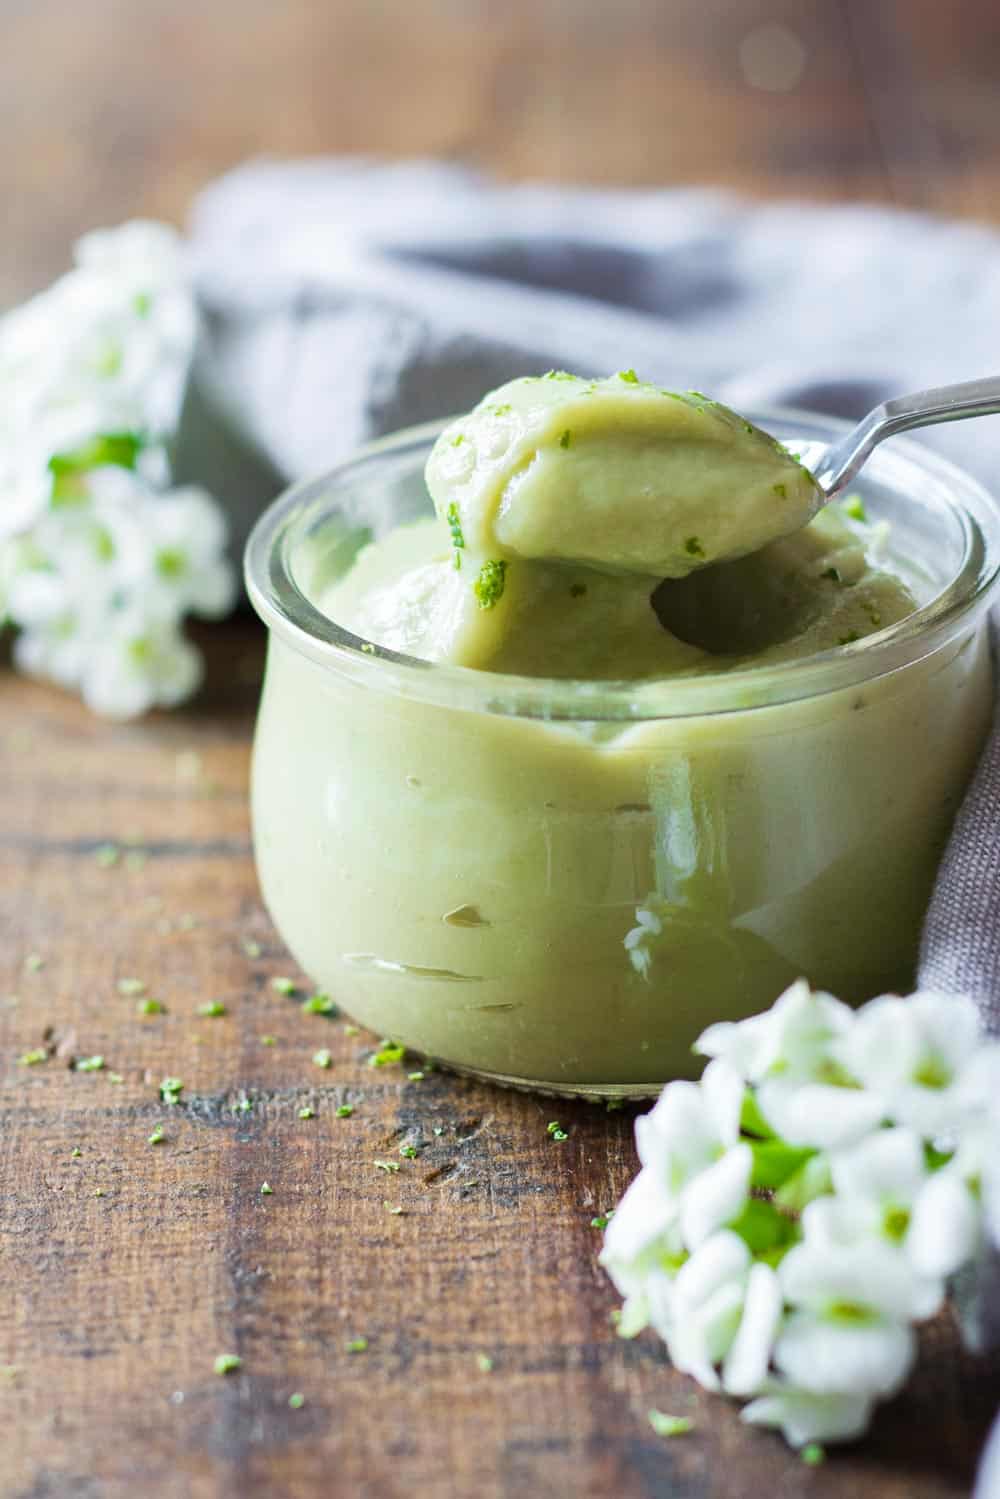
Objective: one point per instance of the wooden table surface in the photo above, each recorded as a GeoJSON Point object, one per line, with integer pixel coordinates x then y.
{"type": "Point", "coordinates": [127, 1266]}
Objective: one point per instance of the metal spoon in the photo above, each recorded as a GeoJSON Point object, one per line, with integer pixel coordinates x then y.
{"type": "Point", "coordinates": [833, 466]}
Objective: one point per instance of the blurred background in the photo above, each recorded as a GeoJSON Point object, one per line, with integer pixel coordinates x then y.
{"type": "Point", "coordinates": [112, 108]}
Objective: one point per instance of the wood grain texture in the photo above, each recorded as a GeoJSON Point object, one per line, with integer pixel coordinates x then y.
{"type": "Point", "coordinates": [126, 1268]}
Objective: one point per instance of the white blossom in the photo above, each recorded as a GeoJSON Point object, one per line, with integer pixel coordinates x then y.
{"type": "Point", "coordinates": [689, 1142]}
{"type": "Point", "coordinates": [920, 1056]}
{"type": "Point", "coordinates": [848, 1328]}
{"type": "Point", "coordinates": [99, 560]}
{"type": "Point", "coordinates": [804, 1417]}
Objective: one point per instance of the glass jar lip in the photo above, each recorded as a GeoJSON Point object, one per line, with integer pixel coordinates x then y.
{"type": "Point", "coordinates": [287, 610]}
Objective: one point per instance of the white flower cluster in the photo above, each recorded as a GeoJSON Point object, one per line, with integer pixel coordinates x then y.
{"type": "Point", "coordinates": [801, 1206]}
{"type": "Point", "coordinates": [99, 559]}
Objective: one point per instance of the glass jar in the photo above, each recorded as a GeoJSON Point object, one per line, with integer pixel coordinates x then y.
{"type": "Point", "coordinates": [558, 884]}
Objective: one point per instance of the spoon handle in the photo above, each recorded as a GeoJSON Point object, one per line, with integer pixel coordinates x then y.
{"type": "Point", "coordinates": [839, 464]}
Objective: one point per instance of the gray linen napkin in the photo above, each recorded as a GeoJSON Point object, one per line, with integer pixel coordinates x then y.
{"type": "Point", "coordinates": [345, 299]}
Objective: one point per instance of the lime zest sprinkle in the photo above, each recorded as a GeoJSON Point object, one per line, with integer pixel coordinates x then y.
{"type": "Point", "coordinates": [356, 1345]}
{"type": "Point", "coordinates": [629, 376]}
{"type": "Point", "coordinates": [212, 1007]}
{"type": "Point", "coordinates": [490, 583]}
{"type": "Point", "coordinates": [75, 1153]}
{"type": "Point", "coordinates": [854, 506]}
{"type": "Point", "coordinates": [107, 855]}
{"type": "Point", "coordinates": [33, 1057]}
{"type": "Point", "coordinates": [323, 1057]}
{"type": "Point", "coordinates": [388, 1053]}
{"type": "Point", "coordinates": [296, 1401]}
{"type": "Point", "coordinates": [409, 1151]}
{"type": "Point", "coordinates": [344, 1110]}
{"type": "Point", "coordinates": [171, 1089]}
{"type": "Point", "coordinates": [389, 1167]}
{"type": "Point", "coordinates": [227, 1363]}
{"type": "Point", "coordinates": [34, 962]}
{"type": "Point", "coordinates": [157, 1137]}
{"type": "Point", "coordinates": [392, 1208]}
{"type": "Point", "coordinates": [251, 949]}
{"type": "Point", "coordinates": [150, 1007]}
{"type": "Point", "coordinates": [415, 1077]}
{"type": "Point", "coordinates": [555, 1129]}
{"type": "Point", "coordinates": [268, 1040]}
{"type": "Point", "coordinates": [131, 987]}
{"type": "Point", "coordinates": [307, 1113]}
{"type": "Point", "coordinates": [669, 1426]}
{"type": "Point", "coordinates": [813, 1454]}
{"type": "Point", "coordinates": [88, 1064]}
{"type": "Point", "coordinates": [484, 1363]}
{"type": "Point", "coordinates": [282, 985]}
{"type": "Point", "coordinates": [266, 1190]}
{"type": "Point", "coordinates": [320, 1004]}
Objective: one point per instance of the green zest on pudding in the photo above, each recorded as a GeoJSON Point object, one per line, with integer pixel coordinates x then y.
{"type": "Point", "coordinates": [586, 724]}
{"type": "Point", "coordinates": [576, 523]}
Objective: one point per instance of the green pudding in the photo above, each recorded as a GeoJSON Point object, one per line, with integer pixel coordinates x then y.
{"type": "Point", "coordinates": [555, 869]}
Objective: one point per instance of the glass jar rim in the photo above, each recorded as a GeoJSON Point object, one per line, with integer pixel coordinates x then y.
{"type": "Point", "coordinates": [287, 610]}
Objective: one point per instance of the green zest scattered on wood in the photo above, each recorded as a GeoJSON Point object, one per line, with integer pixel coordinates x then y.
{"type": "Point", "coordinates": [345, 1111]}
{"type": "Point", "coordinates": [266, 1190]}
{"type": "Point", "coordinates": [555, 1129]}
{"type": "Point", "coordinates": [171, 1089]}
{"type": "Point", "coordinates": [33, 1057]}
{"type": "Point", "coordinates": [323, 1058]}
{"type": "Point", "coordinates": [388, 1052]}
{"type": "Point", "coordinates": [251, 949]}
{"type": "Point", "coordinates": [415, 1077]}
{"type": "Point", "coordinates": [484, 1363]}
{"type": "Point", "coordinates": [212, 1007]}
{"type": "Point", "coordinates": [397, 1212]}
{"type": "Point", "coordinates": [356, 1345]}
{"type": "Point", "coordinates": [34, 962]}
{"type": "Point", "coordinates": [391, 1167]}
{"type": "Point", "coordinates": [107, 855]}
{"type": "Point", "coordinates": [669, 1426]}
{"type": "Point", "coordinates": [307, 1113]}
{"type": "Point", "coordinates": [320, 1004]}
{"type": "Point", "coordinates": [268, 1040]}
{"type": "Point", "coordinates": [150, 1007]}
{"type": "Point", "coordinates": [88, 1064]}
{"type": "Point", "coordinates": [813, 1454]}
{"type": "Point", "coordinates": [131, 987]}
{"type": "Point", "coordinates": [283, 986]}
{"type": "Point", "coordinates": [601, 1221]}
{"type": "Point", "coordinates": [157, 1137]}
{"type": "Point", "coordinates": [75, 1153]}
{"type": "Point", "coordinates": [227, 1363]}
{"type": "Point", "coordinates": [409, 1151]}
{"type": "Point", "coordinates": [490, 584]}
{"type": "Point", "coordinates": [296, 1401]}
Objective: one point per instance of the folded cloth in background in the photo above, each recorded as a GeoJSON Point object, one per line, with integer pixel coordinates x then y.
{"type": "Point", "coordinates": [345, 299]}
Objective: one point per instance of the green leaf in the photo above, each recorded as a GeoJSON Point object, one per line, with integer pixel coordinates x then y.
{"type": "Point", "coordinates": [762, 1228]}
{"type": "Point", "coordinates": [752, 1121]}
{"type": "Point", "coordinates": [810, 1181]}
{"type": "Point", "coordinates": [774, 1162]}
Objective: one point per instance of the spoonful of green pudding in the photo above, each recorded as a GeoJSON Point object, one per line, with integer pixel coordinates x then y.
{"type": "Point", "coordinates": [612, 529]}
{"type": "Point", "coordinates": [615, 474]}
